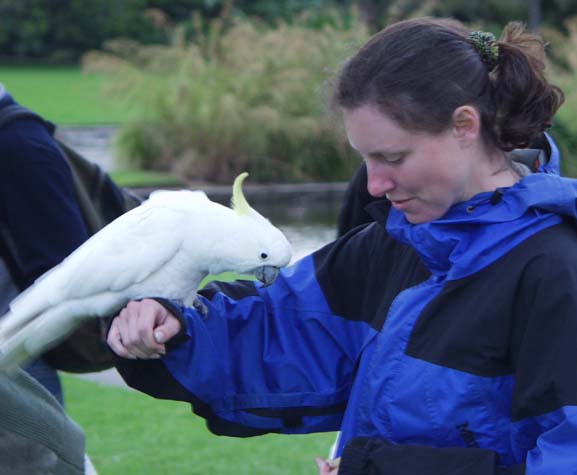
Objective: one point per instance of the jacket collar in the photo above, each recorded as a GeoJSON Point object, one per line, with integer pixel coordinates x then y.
{"type": "Point", "coordinates": [473, 234]}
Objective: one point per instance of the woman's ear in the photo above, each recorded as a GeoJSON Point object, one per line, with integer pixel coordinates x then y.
{"type": "Point", "coordinates": [467, 124]}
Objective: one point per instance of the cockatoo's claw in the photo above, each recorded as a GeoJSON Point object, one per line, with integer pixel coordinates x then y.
{"type": "Point", "coordinates": [200, 307]}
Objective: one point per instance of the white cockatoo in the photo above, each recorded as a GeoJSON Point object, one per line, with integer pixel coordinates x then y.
{"type": "Point", "coordinates": [162, 248]}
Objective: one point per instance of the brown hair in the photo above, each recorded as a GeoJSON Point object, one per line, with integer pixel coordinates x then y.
{"type": "Point", "coordinates": [419, 71]}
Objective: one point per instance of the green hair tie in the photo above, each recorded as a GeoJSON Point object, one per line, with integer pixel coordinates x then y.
{"type": "Point", "coordinates": [486, 45]}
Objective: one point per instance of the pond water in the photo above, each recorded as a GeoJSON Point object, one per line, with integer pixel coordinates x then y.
{"type": "Point", "coordinates": [94, 143]}
{"type": "Point", "coordinates": [307, 226]}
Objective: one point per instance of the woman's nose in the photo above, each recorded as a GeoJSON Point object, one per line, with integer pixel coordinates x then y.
{"type": "Point", "coordinates": [379, 179]}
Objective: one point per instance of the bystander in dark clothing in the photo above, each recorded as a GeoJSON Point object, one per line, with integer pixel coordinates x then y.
{"type": "Point", "coordinates": [40, 221]}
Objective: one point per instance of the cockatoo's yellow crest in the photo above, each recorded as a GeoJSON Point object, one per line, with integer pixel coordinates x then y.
{"type": "Point", "coordinates": [238, 201]}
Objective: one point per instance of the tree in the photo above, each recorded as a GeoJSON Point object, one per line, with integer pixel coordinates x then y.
{"type": "Point", "coordinates": [372, 13]}
{"type": "Point", "coordinates": [534, 14]}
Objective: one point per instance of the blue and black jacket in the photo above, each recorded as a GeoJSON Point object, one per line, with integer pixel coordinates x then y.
{"type": "Point", "coordinates": [446, 347]}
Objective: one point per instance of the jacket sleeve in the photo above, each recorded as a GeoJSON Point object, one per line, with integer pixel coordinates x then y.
{"type": "Point", "coordinates": [40, 221]}
{"type": "Point", "coordinates": [259, 360]}
{"type": "Point", "coordinates": [280, 358]}
{"type": "Point", "coordinates": [544, 406]}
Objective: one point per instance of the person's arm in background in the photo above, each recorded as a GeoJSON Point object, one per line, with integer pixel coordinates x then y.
{"type": "Point", "coordinates": [40, 221]}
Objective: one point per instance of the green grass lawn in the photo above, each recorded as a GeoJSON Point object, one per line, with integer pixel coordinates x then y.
{"type": "Point", "coordinates": [129, 433]}
{"type": "Point", "coordinates": [63, 94]}
{"type": "Point", "coordinates": [67, 96]}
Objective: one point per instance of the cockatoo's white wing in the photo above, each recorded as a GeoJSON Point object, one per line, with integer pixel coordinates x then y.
{"type": "Point", "coordinates": [121, 255]}
{"type": "Point", "coordinates": [132, 257]}
{"type": "Point", "coordinates": [124, 252]}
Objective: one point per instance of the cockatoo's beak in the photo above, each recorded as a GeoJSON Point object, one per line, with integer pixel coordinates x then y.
{"type": "Point", "coordinates": [267, 274]}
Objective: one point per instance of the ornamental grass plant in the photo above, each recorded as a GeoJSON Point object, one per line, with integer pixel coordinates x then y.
{"type": "Point", "coordinates": [246, 97]}
{"type": "Point", "coordinates": [563, 72]}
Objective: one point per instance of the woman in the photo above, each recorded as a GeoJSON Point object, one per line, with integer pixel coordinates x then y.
{"type": "Point", "coordinates": [465, 364]}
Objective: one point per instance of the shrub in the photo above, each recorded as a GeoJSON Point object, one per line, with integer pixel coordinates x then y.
{"type": "Point", "coordinates": [245, 98]}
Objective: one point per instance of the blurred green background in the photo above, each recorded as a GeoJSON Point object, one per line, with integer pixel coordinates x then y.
{"type": "Point", "coordinates": [203, 89]}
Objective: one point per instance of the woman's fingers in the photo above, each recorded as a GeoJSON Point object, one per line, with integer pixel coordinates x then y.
{"type": "Point", "coordinates": [140, 330]}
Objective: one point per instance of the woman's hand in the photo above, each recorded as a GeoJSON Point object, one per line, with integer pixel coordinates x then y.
{"type": "Point", "coordinates": [328, 466]}
{"type": "Point", "coordinates": [141, 329]}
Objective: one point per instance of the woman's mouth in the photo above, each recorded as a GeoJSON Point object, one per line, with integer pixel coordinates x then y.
{"type": "Point", "coordinates": [400, 203]}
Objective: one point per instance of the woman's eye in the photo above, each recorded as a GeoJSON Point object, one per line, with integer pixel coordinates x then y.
{"type": "Point", "coordinates": [388, 158]}
{"type": "Point", "coordinates": [394, 159]}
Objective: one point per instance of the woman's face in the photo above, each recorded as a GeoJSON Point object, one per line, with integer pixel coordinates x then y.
{"type": "Point", "coordinates": [422, 175]}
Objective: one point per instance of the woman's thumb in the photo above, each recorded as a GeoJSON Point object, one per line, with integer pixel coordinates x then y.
{"type": "Point", "coordinates": [165, 331]}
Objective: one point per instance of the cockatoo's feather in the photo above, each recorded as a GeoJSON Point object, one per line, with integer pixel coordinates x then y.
{"type": "Point", "coordinates": [238, 201]}
{"type": "Point", "coordinates": [133, 237]}
{"type": "Point", "coordinates": [163, 248]}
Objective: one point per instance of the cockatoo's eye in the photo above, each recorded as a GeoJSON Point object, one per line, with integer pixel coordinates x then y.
{"type": "Point", "coordinates": [263, 255]}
